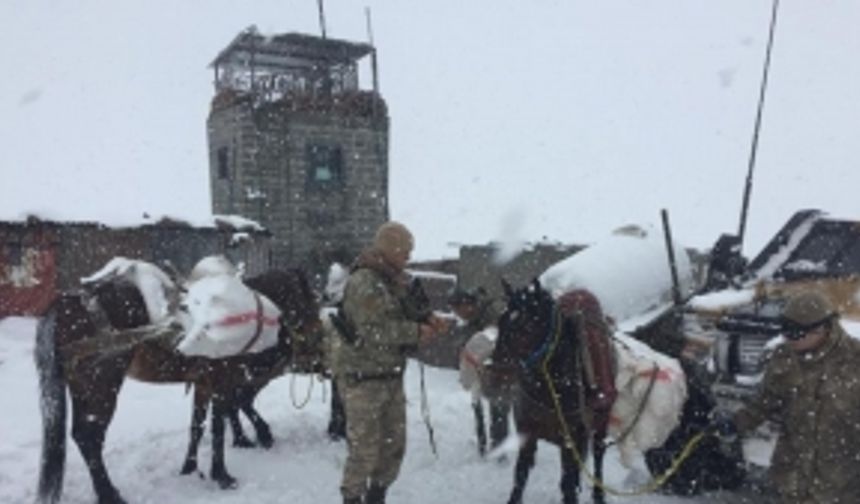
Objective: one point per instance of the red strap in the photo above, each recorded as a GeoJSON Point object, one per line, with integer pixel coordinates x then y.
{"type": "Point", "coordinates": [471, 359]}
{"type": "Point", "coordinates": [664, 375]}
{"type": "Point", "coordinates": [244, 318]}
{"type": "Point", "coordinates": [259, 329]}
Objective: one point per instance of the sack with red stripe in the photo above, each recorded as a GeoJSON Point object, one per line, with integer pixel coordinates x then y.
{"type": "Point", "coordinates": [652, 389]}
{"type": "Point", "coordinates": [226, 318]}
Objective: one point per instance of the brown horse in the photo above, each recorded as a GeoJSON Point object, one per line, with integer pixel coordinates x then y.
{"type": "Point", "coordinates": [527, 340]}
{"type": "Point", "coordinates": [93, 379]}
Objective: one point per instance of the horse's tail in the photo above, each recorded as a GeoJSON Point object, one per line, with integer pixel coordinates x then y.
{"type": "Point", "coordinates": [52, 385]}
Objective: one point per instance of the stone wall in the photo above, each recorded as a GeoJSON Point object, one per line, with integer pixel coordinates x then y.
{"type": "Point", "coordinates": [313, 225]}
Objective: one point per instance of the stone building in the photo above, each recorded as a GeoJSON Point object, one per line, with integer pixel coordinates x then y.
{"type": "Point", "coordinates": [297, 146]}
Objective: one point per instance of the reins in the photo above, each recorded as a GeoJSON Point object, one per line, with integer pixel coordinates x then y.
{"type": "Point", "coordinates": [689, 448]}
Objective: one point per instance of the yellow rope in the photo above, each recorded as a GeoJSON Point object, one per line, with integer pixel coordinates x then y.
{"type": "Point", "coordinates": [656, 483]}
{"type": "Point", "coordinates": [293, 392]}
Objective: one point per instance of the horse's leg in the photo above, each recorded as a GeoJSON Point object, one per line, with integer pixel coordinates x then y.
{"type": "Point", "coordinates": [599, 447]}
{"type": "Point", "coordinates": [218, 471]}
{"type": "Point", "coordinates": [337, 422]}
{"type": "Point", "coordinates": [93, 404]}
{"type": "Point", "coordinates": [525, 461]}
{"type": "Point", "coordinates": [264, 432]}
{"type": "Point", "coordinates": [569, 477]}
{"type": "Point", "coordinates": [499, 410]}
{"type": "Point", "coordinates": [481, 431]}
{"type": "Point", "coordinates": [240, 440]}
{"type": "Point", "coordinates": [198, 416]}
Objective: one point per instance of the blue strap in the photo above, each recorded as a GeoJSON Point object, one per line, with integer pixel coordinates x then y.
{"type": "Point", "coordinates": [541, 351]}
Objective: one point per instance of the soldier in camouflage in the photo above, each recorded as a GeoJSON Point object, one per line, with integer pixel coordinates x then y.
{"type": "Point", "coordinates": [811, 390]}
{"type": "Point", "coordinates": [369, 370]}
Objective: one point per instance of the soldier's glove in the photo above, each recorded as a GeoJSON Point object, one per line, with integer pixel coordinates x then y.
{"type": "Point", "coordinates": [723, 424]}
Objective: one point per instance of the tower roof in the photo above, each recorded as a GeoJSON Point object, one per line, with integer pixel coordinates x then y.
{"type": "Point", "coordinates": [287, 50]}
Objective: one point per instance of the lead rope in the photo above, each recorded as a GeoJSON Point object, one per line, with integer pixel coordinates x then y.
{"type": "Point", "coordinates": [654, 370]}
{"type": "Point", "coordinates": [425, 412]}
{"type": "Point", "coordinates": [307, 399]}
{"type": "Point", "coordinates": [656, 483]}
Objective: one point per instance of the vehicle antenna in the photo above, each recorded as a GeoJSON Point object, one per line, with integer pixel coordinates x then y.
{"type": "Point", "coordinates": [757, 128]}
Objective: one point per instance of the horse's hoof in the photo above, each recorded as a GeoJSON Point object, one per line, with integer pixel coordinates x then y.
{"type": "Point", "coordinates": [226, 482]}
{"type": "Point", "coordinates": [336, 431]}
{"type": "Point", "coordinates": [189, 467]}
{"type": "Point", "coordinates": [243, 442]}
{"type": "Point", "coordinates": [112, 498]}
{"type": "Point", "coordinates": [265, 439]}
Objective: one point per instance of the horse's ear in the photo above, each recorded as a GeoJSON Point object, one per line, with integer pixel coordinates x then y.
{"type": "Point", "coordinates": [509, 291]}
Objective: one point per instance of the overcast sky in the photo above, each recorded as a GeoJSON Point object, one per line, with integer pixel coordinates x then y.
{"type": "Point", "coordinates": [557, 119]}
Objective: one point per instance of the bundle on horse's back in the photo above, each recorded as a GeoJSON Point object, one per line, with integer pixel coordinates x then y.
{"type": "Point", "coordinates": [474, 359]}
{"type": "Point", "coordinates": [159, 292]}
{"type": "Point", "coordinates": [652, 392]}
{"type": "Point", "coordinates": [227, 318]}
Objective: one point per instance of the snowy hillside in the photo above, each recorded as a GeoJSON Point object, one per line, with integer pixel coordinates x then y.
{"type": "Point", "coordinates": [147, 439]}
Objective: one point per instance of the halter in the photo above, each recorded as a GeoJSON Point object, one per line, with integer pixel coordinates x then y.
{"type": "Point", "coordinates": [548, 341]}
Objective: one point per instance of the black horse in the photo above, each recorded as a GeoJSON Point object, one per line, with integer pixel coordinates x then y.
{"type": "Point", "coordinates": [93, 378]}
{"type": "Point", "coordinates": [534, 336]}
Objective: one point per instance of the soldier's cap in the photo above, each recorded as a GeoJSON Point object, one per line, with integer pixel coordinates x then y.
{"type": "Point", "coordinates": [805, 312]}
{"type": "Point", "coordinates": [461, 295]}
{"type": "Point", "coordinates": [393, 237]}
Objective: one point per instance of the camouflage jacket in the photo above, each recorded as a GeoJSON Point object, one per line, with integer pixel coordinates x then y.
{"type": "Point", "coordinates": [373, 304]}
{"type": "Point", "coordinates": [815, 400]}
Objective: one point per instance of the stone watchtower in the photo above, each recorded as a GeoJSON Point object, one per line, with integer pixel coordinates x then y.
{"type": "Point", "coordinates": [296, 145]}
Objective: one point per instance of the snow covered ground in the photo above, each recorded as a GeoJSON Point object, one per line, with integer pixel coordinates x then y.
{"type": "Point", "coordinates": [147, 440]}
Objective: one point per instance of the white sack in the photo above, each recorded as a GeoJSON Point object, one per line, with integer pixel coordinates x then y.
{"type": "Point", "coordinates": [223, 318]}
{"type": "Point", "coordinates": [475, 355]}
{"type": "Point", "coordinates": [663, 406]}
{"type": "Point", "coordinates": [154, 285]}
{"type": "Point", "coordinates": [211, 266]}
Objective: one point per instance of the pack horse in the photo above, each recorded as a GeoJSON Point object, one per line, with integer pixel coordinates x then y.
{"type": "Point", "coordinates": [88, 343]}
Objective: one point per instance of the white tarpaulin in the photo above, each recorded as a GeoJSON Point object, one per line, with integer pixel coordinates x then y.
{"type": "Point", "coordinates": [227, 318]}
{"type": "Point", "coordinates": [629, 273]}
{"type": "Point", "coordinates": [154, 285]}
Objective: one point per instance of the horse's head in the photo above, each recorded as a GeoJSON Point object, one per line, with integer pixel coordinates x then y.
{"type": "Point", "coordinates": [524, 325]}
{"type": "Point", "coordinates": [122, 303]}
{"type": "Point", "coordinates": [292, 293]}
{"type": "Point", "coordinates": [416, 303]}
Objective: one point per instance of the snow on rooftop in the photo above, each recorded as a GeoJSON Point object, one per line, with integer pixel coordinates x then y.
{"type": "Point", "coordinates": [235, 222]}
{"type": "Point", "coordinates": [722, 300]}
{"type": "Point", "coordinates": [781, 256]}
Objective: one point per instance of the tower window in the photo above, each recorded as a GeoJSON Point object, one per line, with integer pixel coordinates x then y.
{"type": "Point", "coordinates": [325, 166]}
{"type": "Point", "coordinates": [223, 163]}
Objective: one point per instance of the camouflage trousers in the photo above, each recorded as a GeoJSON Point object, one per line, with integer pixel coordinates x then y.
{"type": "Point", "coordinates": [375, 431]}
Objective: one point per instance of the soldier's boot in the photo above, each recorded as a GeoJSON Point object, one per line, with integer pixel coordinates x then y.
{"type": "Point", "coordinates": [376, 494]}
{"type": "Point", "coordinates": [353, 500]}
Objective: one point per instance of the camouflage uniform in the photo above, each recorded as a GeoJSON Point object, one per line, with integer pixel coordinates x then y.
{"type": "Point", "coordinates": [815, 399]}
{"type": "Point", "coordinates": [370, 377]}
